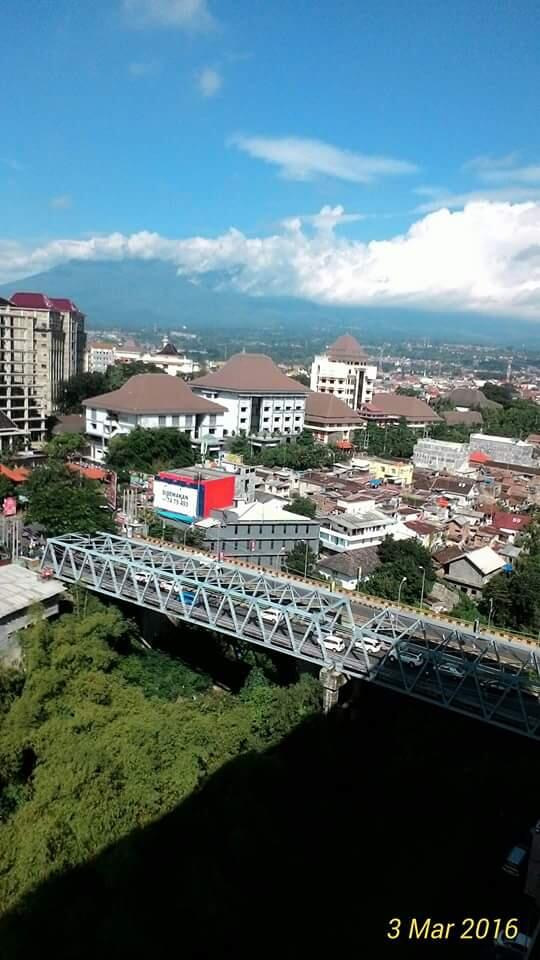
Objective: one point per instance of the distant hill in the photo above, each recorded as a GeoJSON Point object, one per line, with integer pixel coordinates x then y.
{"type": "Point", "coordinates": [136, 294]}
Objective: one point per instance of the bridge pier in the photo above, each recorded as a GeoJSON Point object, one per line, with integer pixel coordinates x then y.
{"type": "Point", "coordinates": [331, 680]}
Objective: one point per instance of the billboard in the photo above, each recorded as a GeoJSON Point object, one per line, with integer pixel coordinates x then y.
{"type": "Point", "coordinates": [176, 498]}
{"type": "Point", "coordinates": [9, 508]}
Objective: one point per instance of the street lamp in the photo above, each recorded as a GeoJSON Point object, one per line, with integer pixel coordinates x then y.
{"type": "Point", "coordinates": [188, 528]}
{"type": "Point", "coordinates": [490, 610]}
{"type": "Point", "coordinates": [423, 569]}
{"type": "Point", "coordinates": [403, 580]}
{"type": "Point", "coordinates": [306, 560]}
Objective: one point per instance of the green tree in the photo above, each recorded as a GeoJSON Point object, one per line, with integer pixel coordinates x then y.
{"type": "Point", "coordinates": [300, 559]}
{"type": "Point", "coordinates": [150, 450]}
{"type": "Point", "coordinates": [79, 388]}
{"type": "Point", "coordinates": [120, 373]}
{"type": "Point", "coordinates": [96, 744]}
{"type": "Point", "coordinates": [66, 502]}
{"type": "Point", "coordinates": [7, 487]}
{"type": "Point", "coordinates": [502, 393]}
{"type": "Point", "coordinates": [466, 609]}
{"type": "Point", "coordinates": [395, 440]}
{"type": "Point", "coordinates": [403, 562]}
{"type": "Point", "coordinates": [64, 445]}
{"type": "Point", "coordinates": [301, 378]}
{"type": "Point", "coordinates": [302, 505]}
{"type": "Point", "coordinates": [407, 392]}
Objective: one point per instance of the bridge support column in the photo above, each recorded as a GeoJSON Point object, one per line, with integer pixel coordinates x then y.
{"type": "Point", "coordinates": [332, 680]}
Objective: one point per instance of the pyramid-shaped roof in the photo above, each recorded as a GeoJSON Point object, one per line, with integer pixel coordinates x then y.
{"type": "Point", "coordinates": [346, 347]}
{"type": "Point", "coordinates": [168, 350]}
{"type": "Point", "coordinates": [251, 372]}
{"type": "Point", "coordinates": [153, 393]}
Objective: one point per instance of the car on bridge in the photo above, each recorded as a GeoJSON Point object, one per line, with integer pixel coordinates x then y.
{"type": "Point", "coordinates": [187, 597]}
{"type": "Point", "coordinates": [409, 657]}
{"type": "Point", "coordinates": [368, 644]}
{"type": "Point", "coordinates": [451, 670]}
{"type": "Point", "coordinates": [332, 642]}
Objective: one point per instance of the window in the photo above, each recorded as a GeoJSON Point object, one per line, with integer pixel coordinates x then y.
{"type": "Point", "coordinates": [175, 420]}
{"type": "Point", "coordinates": [212, 430]}
{"type": "Point", "coordinates": [162, 421]}
{"type": "Point", "coordinates": [236, 529]}
{"type": "Point", "coordinates": [243, 419]}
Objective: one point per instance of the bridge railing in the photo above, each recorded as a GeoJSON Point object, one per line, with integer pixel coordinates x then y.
{"type": "Point", "coordinates": [369, 599]}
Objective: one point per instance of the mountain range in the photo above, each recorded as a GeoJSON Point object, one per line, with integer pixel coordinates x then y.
{"type": "Point", "coordinates": [145, 294]}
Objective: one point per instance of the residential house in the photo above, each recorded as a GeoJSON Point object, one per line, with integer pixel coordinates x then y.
{"type": "Point", "coordinates": [350, 567]}
{"type": "Point", "coordinates": [472, 570]}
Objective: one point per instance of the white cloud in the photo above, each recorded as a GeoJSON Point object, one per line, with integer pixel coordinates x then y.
{"type": "Point", "coordinates": [183, 14]}
{"type": "Point", "coordinates": [485, 258]}
{"type": "Point", "coordinates": [456, 201]}
{"type": "Point", "coordinates": [492, 163]}
{"type": "Point", "coordinates": [143, 68]}
{"type": "Point", "coordinates": [327, 219]}
{"type": "Point", "coordinates": [530, 174]}
{"type": "Point", "coordinates": [61, 202]}
{"type": "Point", "coordinates": [209, 82]}
{"type": "Point", "coordinates": [301, 159]}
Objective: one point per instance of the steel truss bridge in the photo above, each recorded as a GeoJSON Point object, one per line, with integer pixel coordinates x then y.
{"type": "Point", "coordinates": [480, 675]}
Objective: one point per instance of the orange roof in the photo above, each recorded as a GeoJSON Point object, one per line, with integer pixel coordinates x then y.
{"type": "Point", "coordinates": [16, 474]}
{"type": "Point", "coordinates": [477, 456]}
{"type": "Point", "coordinates": [91, 473]}
{"type": "Point", "coordinates": [344, 445]}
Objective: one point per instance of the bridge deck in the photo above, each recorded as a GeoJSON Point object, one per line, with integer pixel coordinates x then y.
{"type": "Point", "coordinates": [481, 675]}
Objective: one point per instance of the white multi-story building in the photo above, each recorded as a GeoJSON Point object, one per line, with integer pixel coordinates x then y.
{"type": "Point", "coordinates": [41, 345]}
{"type": "Point", "coordinates": [151, 400]}
{"type": "Point", "coordinates": [344, 371]}
{"type": "Point", "coordinates": [441, 456]}
{"type": "Point", "coordinates": [102, 354]}
{"type": "Point", "coordinates": [258, 397]}
{"type": "Point", "coordinates": [365, 528]}
{"type": "Point", "coordinates": [99, 355]}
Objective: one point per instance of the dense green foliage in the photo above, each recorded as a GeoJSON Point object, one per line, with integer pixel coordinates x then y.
{"type": "Point", "coordinates": [97, 743]}
{"type": "Point", "coordinates": [300, 559]}
{"type": "Point", "coordinates": [302, 505]}
{"type": "Point", "coordinates": [65, 445]}
{"type": "Point", "coordinates": [514, 597]}
{"type": "Point", "coordinates": [401, 558]}
{"type": "Point", "coordinates": [466, 609]}
{"type": "Point", "coordinates": [85, 385]}
{"type": "Point", "coordinates": [393, 441]}
{"type": "Point", "coordinates": [407, 392]}
{"type": "Point", "coordinates": [150, 450]}
{"type": "Point", "coordinates": [298, 456]}
{"type": "Point", "coordinates": [502, 393]}
{"type": "Point", "coordinates": [6, 487]}
{"type": "Point", "coordinates": [66, 502]}
{"type": "Point", "coordinates": [517, 419]}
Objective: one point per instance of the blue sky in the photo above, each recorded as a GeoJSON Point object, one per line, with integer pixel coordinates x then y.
{"type": "Point", "coordinates": [187, 118]}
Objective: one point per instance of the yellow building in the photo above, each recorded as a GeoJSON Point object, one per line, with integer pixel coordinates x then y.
{"type": "Point", "coordinates": [393, 471]}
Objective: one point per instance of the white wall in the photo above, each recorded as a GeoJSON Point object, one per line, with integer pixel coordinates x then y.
{"type": "Point", "coordinates": [273, 414]}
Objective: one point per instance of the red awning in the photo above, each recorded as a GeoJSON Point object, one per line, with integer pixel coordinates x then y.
{"type": "Point", "coordinates": [91, 473]}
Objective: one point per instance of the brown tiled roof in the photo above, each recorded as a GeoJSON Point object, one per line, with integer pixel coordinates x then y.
{"type": "Point", "coordinates": [326, 407]}
{"type": "Point", "coordinates": [470, 417]}
{"type": "Point", "coordinates": [471, 397]}
{"type": "Point", "coordinates": [6, 423]}
{"type": "Point", "coordinates": [250, 372]}
{"type": "Point", "coordinates": [347, 562]}
{"type": "Point", "coordinates": [154, 393]}
{"type": "Point", "coordinates": [447, 554]}
{"type": "Point", "coordinates": [346, 347]}
{"type": "Point", "coordinates": [397, 405]}
{"type": "Point", "coordinates": [70, 423]}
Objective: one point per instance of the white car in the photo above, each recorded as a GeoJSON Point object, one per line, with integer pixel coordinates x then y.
{"type": "Point", "coordinates": [369, 645]}
{"type": "Point", "coordinates": [409, 657]}
{"type": "Point", "coordinates": [332, 642]}
{"type": "Point", "coordinates": [452, 670]}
